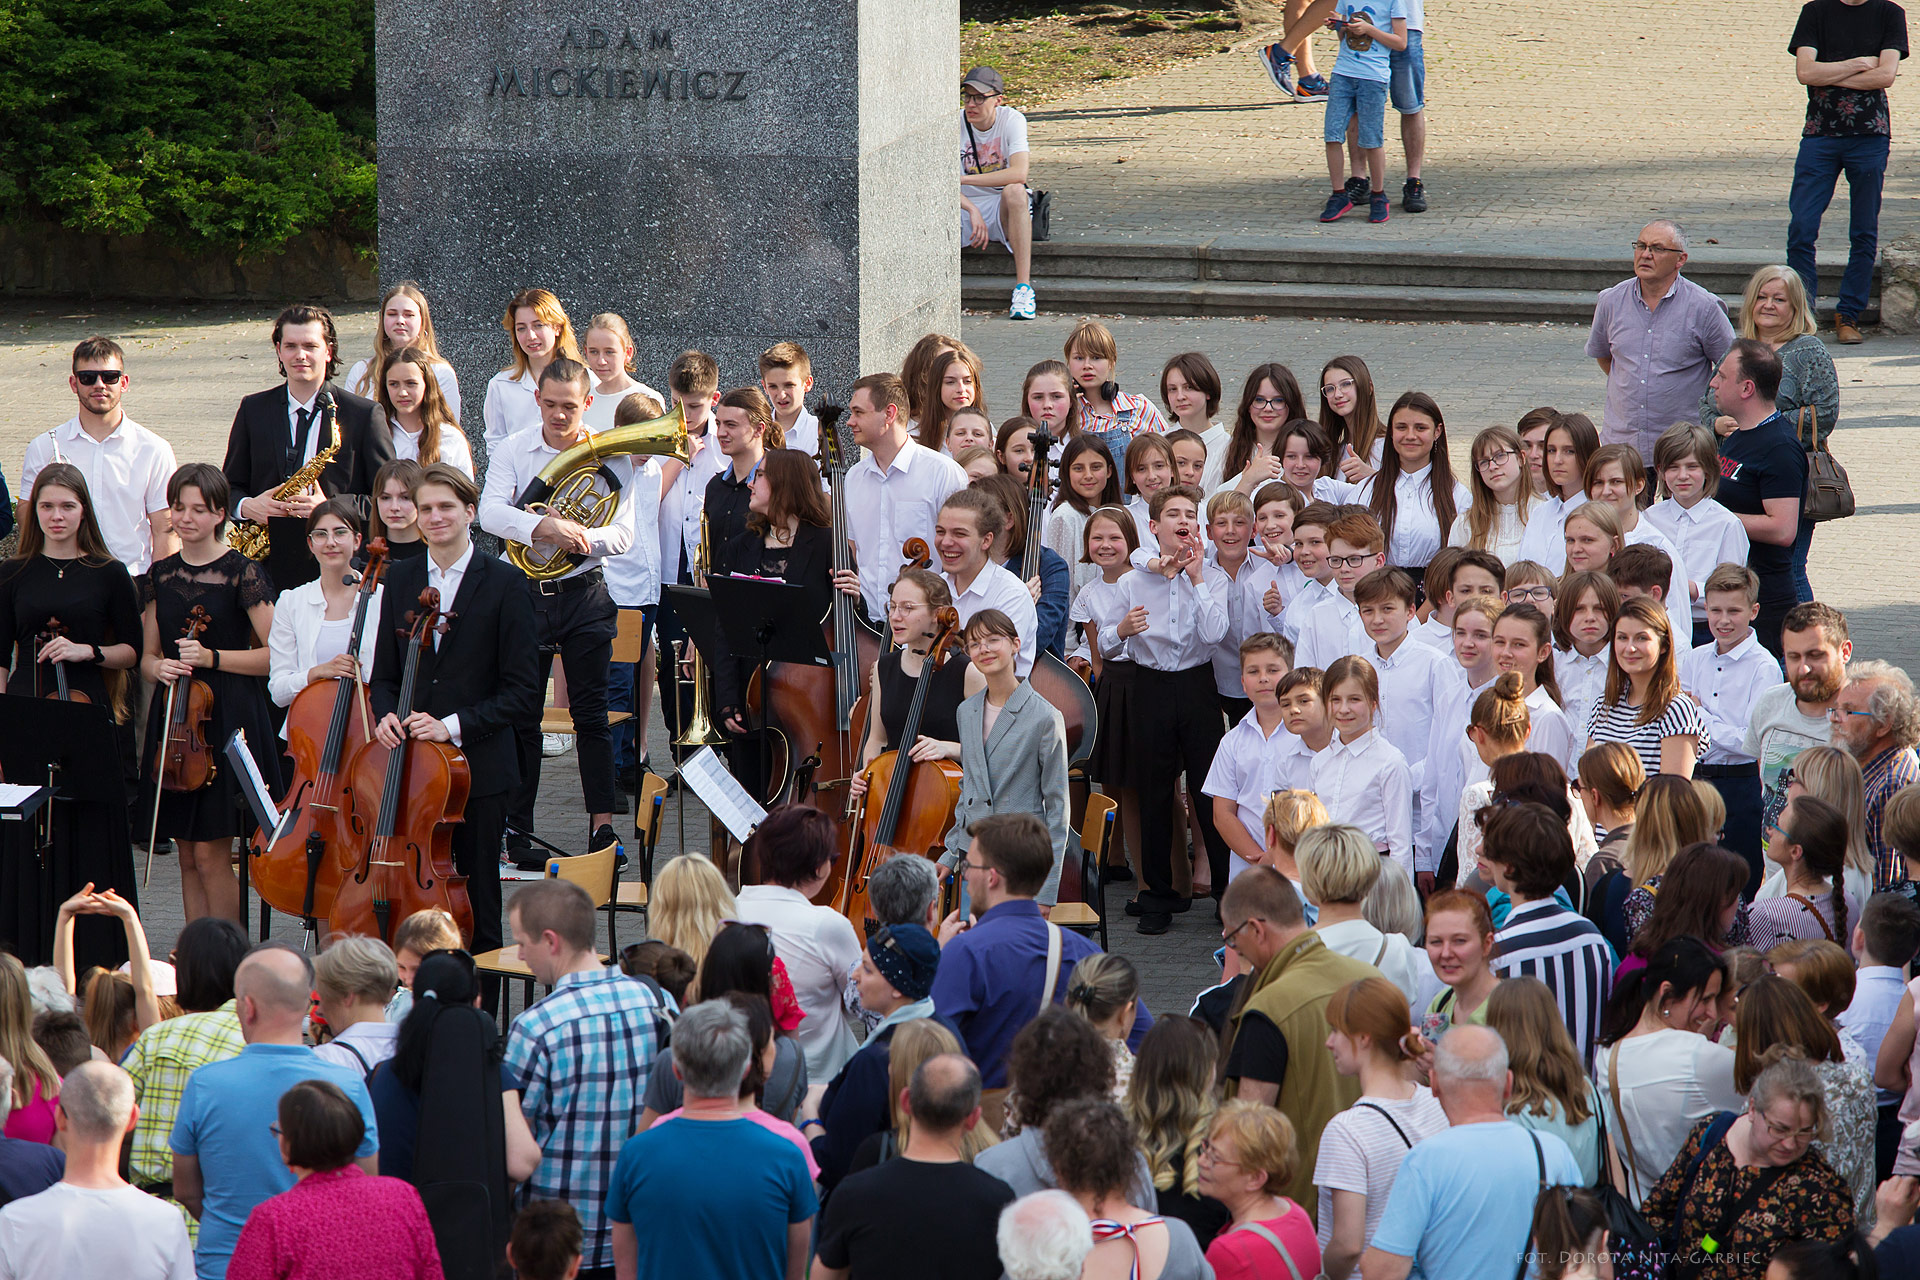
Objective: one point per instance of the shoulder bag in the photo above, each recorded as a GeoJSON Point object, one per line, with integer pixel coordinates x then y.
{"type": "Point", "coordinates": [1639, 1252]}
{"type": "Point", "coordinates": [1829, 493]}
{"type": "Point", "coordinates": [1039, 203]}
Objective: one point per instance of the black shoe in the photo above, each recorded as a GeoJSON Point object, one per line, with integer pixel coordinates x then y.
{"type": "Point", "coordinates": [1155, 923]}
{"type": "Point", "coordinates": [1180, 906]}
{"type": "Point", "coordinates": [1119, 875]}
{"type": "Point", "coordinates": [1134, 908]}
{"type": "Point", "coordinates": [1357, 190]}
{"type": "Point", "coordinates": [1413, 196]}
{"type": "Point", "coordinates": [603, 838]}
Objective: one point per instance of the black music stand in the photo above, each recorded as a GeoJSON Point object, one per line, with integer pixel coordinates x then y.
{"type": "Point", "coordinates": [59, 745]}
{"type": "Point", "coordinates": [774, 620]}
{"type": "Point", "coordinates": [694, 605]}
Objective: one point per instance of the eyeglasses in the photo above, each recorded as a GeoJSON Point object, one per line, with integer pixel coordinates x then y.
{"type": "Point", "coordinates": [975, 99]}
{"type": "Point", "coordinates": [274, 1128]}
{"type": "Point", "coordinates": [1785, 1133]}
{"type": "Point", "coordinates": [1834, 713]}
{"type": "Point", "coordinates": [90, 376]}
{"type": "Point", "coordinates": [1229, 935]}
{"type": "Point", "coordinates": [1641, 246]}
{"type": "Point", "coordinates": [1530, 595]}
{"type": "Point", "coordinates": [1328, 388]}
{"type": "Point", "coordinates": [1493, 460]}
{"type": "Point", "coordinates": [1269, 402]}
{"type": "Point", "coordinates": [1351, 562]}
{"type": "Point", "coordinates": [1211, 1153]}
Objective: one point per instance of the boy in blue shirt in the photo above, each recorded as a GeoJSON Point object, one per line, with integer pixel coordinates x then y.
{"type": "Point", "coordinates": [1369, 31]}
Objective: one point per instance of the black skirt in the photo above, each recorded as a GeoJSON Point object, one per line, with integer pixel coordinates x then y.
{"type": "Point", "coordinates": [1112, 763]}
{"type": "Point", "coordinates": [217, 811]}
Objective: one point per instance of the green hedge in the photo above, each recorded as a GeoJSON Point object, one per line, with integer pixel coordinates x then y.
{"type": "Point", "coordinates": [221, 124]}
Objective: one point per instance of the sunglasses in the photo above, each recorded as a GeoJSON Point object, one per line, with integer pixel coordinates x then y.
{"type": "Point", "coordinates": [90, 376]}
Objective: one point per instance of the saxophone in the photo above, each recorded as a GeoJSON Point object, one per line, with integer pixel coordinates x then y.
{"type": "Point", "coordinates": [252, 540]}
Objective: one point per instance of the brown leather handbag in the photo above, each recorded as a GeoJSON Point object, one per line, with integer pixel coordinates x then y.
{"type": "Point", "coordinates": [1829, 493]}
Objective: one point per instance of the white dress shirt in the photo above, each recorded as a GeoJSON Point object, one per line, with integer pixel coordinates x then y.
{"type": "Point", "coordinates": [1708, 536]}
{"type": "Point", "coordinates": [1446, 772]}
{"type": "Point", "coordinates": [293, 644]}
{"type": "Point", "coordinates": [126, 475]}
{"type": "Point", "coordinates": [447, 582]}
{"type": "Point", "coordinates": [1246, 616]}
{"type": "Point", "coordinates": [1366, 783]}
{"type": "Point", "coordinates": [803, 435]}
{"type": "Point", "coordinates": [1243, 771]}
{"type": "Point", "coordinates": [514, 465]}
{"type": "Point", "coordinates": [817, 945]}
{"type": "Point", "coordinates": [1332, 630]}
{"type": "Point", "coordinates": [887, 507]}
{"type": "Point", "coordinates": [1503, 538]}
{"type": "Point", "coordinates": [1551, 732]}
{"type": "Point", "coordinates": [1292, 763]}
{"type": "Point", "coordinates": [1412, 683]}
{"type": "Point", "coordinates": [1435, 633]}
{"type": "Point", "coordinates": [1102, 604]}
{"type": "Point", "coordinates": [681, 502]}
{"type": "Point", "coordinates": [1727, 685]}
{"type": "Point", "coordinates": [997, 587]}
{"type": "Point", "coordinates": [1299, 611]}
{"type": "Point", "coordinates": [1582, 681]}
{"type": "Point", "coordinates": [442, 373]}
{"type": "Point", "coordinates": [1184, 621]}
{"type": "Point", "coordinates": [1679, 609]}
{"type": "Point", "coordinates": [1066, 537]}
{"type": "Point", "coordinates": [1216, 438]}
{"type": "Point", "coordinates": [512, 405]}
{"type": "Point", "coordinates": [599, 415]}
{"type": "Point", "coordinates": [1545, 541]}
{"type": "Point", "coordinates": [633, 576]}
{"type": "Point", "coordinates": [454, 449]}
{"type": "Point", "coordinates": [1417, 534]}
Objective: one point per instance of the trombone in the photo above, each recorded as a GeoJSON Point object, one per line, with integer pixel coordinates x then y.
{"type": "Point", "coordinates": [701, 731]}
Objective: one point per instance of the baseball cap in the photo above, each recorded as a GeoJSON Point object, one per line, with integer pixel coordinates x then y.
{"type": "Point", "coordinates": [985, 79]}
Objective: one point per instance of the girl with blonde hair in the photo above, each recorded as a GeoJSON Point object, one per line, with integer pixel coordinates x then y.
{"type": "Point", "coordinates": [608, 350]}
{"type": "Point", "coordinates": [1105, 990]}
{"type": "Point", "coordinates": [1170, 1102]}
{"type": "Point", "coordinates": [1833, 775]}
{"type": "Point", "coordinates": [36, 1085]}
{"type": "Point", "coordinates": [405, 321]}
{"type": "Point", "coordinates": [1290, 815]}
{"type": "Point", "coordinates": [690, 899]}
{"type": "Point", "coordinates": [912, 1044]}
{"type": "Point", "coordinates": [1361, 1148]}
{"type": "Point", "coordinates": [539, 330]}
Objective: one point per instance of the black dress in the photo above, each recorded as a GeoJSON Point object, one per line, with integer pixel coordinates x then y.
{"type": "Point", "coordinates": [940, 717]}
{"type": "Point", "coordinates": [407, 550]}
{"type": "Point", "coordinates": [97, 605]}
{"type": "Point", "coordinates": [226, 588]}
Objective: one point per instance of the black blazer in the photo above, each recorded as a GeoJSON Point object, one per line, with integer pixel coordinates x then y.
{"type": "Point", "coordinates": [256, 465]}
{"type": "Point", "coordinates": [809, 564]}
{"type": "Point", "coordinates": [485, 670]}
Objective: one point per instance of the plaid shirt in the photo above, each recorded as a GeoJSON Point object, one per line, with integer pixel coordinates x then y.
{"type": "Point", "coordinates": [160, 1060]}
{"type": "Point", "coordinates": [581, 1057]}
{"type": "Point", "coordinates": [1884, 775]}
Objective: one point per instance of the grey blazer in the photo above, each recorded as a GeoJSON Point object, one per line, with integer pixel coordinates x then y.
{"type": "Point", "coordinates": [1022, 768]}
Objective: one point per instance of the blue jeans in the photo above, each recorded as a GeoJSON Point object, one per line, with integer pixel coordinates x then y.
{"type": "Point", "coordinates": [1407, 89]}
{"type": "Point", "coordinates": [1802, 544]}
{"type": "Point", "coordinates": [1815, 171]}
{"type": "Point", "coordinates": [1353, 99]}
{"type": "Point", "coordinates": [620, 677]}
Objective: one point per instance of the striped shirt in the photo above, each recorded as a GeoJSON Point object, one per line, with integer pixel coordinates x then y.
{"type": "Point", "coordinates": [1884, 775]}
{"type": "Point", "coordinates": [1544, 940]}
{"type": "Point", "coordinates": [581, 1058]}
{"type": "Point", "coordinates": [1614, 722]}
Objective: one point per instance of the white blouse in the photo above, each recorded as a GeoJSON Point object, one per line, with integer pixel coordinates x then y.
{"type": "Point", "coordinates": [1416, 527]}
{"type": "Point", "coordinates": [1503, 539]}
{"type": "Point", "coordinates": [1545, 539]}
{"type": "Point", "coordinates": [1065, 537]}
{"type": "Point", "coordinates": [1366, 783]}
{"type": "Point", "coordinates": [442, 373]}
{"type": "Point", "coordinates": [295, 645]}
{"type": "Point", "coordinates": [454, 449]}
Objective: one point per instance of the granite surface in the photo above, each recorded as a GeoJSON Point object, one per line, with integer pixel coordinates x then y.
{"type": "Point", "coordinates": [723, 176]}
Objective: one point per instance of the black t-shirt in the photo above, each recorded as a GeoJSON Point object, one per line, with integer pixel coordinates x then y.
{"type": "Point", "coordinates": [1836, 31]}
{"type": "Point", "coordinates": [1764, 462]}
{"type": "Point", "coordinates": [912, 1218]}
{"type": "Point", "coordinates": [1259, 1051]}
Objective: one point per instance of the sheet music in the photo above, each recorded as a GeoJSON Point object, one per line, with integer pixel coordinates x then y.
{"type": "Point", "coordinates": [272, 822]}
{"type": "Point", "coordinates": [12, 797]}
{"type": "Point", "coordinates": [724, 797]}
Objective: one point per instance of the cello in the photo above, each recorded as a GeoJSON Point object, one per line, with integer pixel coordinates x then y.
{"type": "Point", "coordinates": [296, 876]}
{"type": "Point", "coordinates": [399, 807]}
{"type": "Point", "coordinates": [1051, 677]}
{"type": "Point", "coordinates": [919, 795]}
{"type": "Point", "coordinates": [808, 711]}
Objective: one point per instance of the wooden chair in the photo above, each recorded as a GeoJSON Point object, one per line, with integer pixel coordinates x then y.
{"type": "Point", "coordinates": [1096, 830]}
{"type": "Point", "coordinates": [593, 872]}
{"type": "Point", "coordinates": [649, 805]}
{"type": "Point", "coordinates": [629, 645]}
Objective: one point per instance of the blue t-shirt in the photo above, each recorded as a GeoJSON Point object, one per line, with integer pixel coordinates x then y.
{"type": "Point", "coordinates": [1363, 57]}
{"type": "Point", "coordinates": [1462, 1203]}
{"type": "Point", "coordinates": [223, 1119]}
{"type": "Point", "coordinates": [711, 1198]}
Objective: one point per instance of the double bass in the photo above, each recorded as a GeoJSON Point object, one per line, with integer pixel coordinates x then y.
{"type": "Point", "coordinates": [399, 809]}
{"type": "Point", "coordinates": [1051, 677]}
{"type": "Point", "coordinates": [808, 711]}
{"type": "Point", "coordinates": [917, 797]}
{"type": "Point", "coordinates": [327, 724]}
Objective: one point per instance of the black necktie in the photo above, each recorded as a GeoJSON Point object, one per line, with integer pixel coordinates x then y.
{"type": "Point", "coordinates": [305, 420]}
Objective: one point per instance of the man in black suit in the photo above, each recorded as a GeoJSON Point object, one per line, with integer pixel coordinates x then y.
{"type": "Point", "coordinates": [277, 432]}
{"type": "Point", "coordinates": [474, 687]}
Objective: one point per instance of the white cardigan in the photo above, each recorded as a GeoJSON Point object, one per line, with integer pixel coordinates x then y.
{"type": "Point", "coordinates": [297, 616]}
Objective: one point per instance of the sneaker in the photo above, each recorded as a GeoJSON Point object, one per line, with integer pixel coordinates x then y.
{"type": "Point", "coordinates": [1378, 208]}
{"type": "Point", "coordinates": [1279, 67]}
{"type": "Point", "coordinates": [602, 838]}
{"type": "Point", "coordinates": [1413, 196]}
{"type": "Point", "coordinates": [1847, 331]}
{"type": "Point", "coordinates": [555, 744]}
{"type": "Point", "coordinates": [1022, 305]}
{"type": "Point", "coordinates": [1313, 87]}
{"type": "Point", "coordinates": [1357, 189]}
{"type": "Point", "coordinates": [1338, 206]}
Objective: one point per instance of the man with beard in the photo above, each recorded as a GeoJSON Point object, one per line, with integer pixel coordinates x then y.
{"type": "Point", "coordinates": [1792, 716]}
{"type": "Point", "coordinates": [1877, 720]}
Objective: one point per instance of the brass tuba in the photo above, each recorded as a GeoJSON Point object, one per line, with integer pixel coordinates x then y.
{"type": "Point", "coordinates": [574, 486]}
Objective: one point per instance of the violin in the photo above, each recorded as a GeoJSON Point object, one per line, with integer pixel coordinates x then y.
{"type": "Point", "coordinates": [186, 757]}
{"type": "Point", "coordinates": [327, 723]}
{"type": "Point", "coordinates": [808, 711]}
{"type": "Point", "coordinates": [55, 627]}
{"type": "Point", "coordinates": [399, 806]}
{"type": "Point", "coordinates": [918, 797]}
{"type": "Point", "coordinates": [1051, 677]}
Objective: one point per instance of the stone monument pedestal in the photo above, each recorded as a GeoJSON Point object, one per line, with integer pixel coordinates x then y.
{"type": "Point", "coordinates": [723, 175]}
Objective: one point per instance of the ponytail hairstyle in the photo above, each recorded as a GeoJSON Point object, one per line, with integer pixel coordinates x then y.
{"type": "Point", "coordinates": [1570, 1227]}
{"type": "Point", "coordinates": [1101, 985]}
{"type": "Point", "coordinates": [1821, 832]}
{"type": "Point", "coordinates": [1351, 667]}
{"type": "Point", "coordinates": [1678, 967]}
{"type": "Point", "coordinates": [1543, 671]}
{"type": "Point", "coordinates": [1613, 769]}
{"type": "Point", "coordinates": [1546, 1067]}
{"type": "Point", "coordinates": [1834, 775]}
{"type": "Point", "coordinates": [1375, 1008]}
{"type": "Point", "coordinates": [1385, 505]}
{"type": "Point", "coordinates": [1500, 712]}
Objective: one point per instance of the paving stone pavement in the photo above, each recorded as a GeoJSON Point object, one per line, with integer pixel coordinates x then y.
{"type": "Point", "coordinates": [1555, 131]}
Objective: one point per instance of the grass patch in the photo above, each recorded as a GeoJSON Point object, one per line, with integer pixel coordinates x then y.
{"type": "Point", "coordinates": [1048, 51]}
